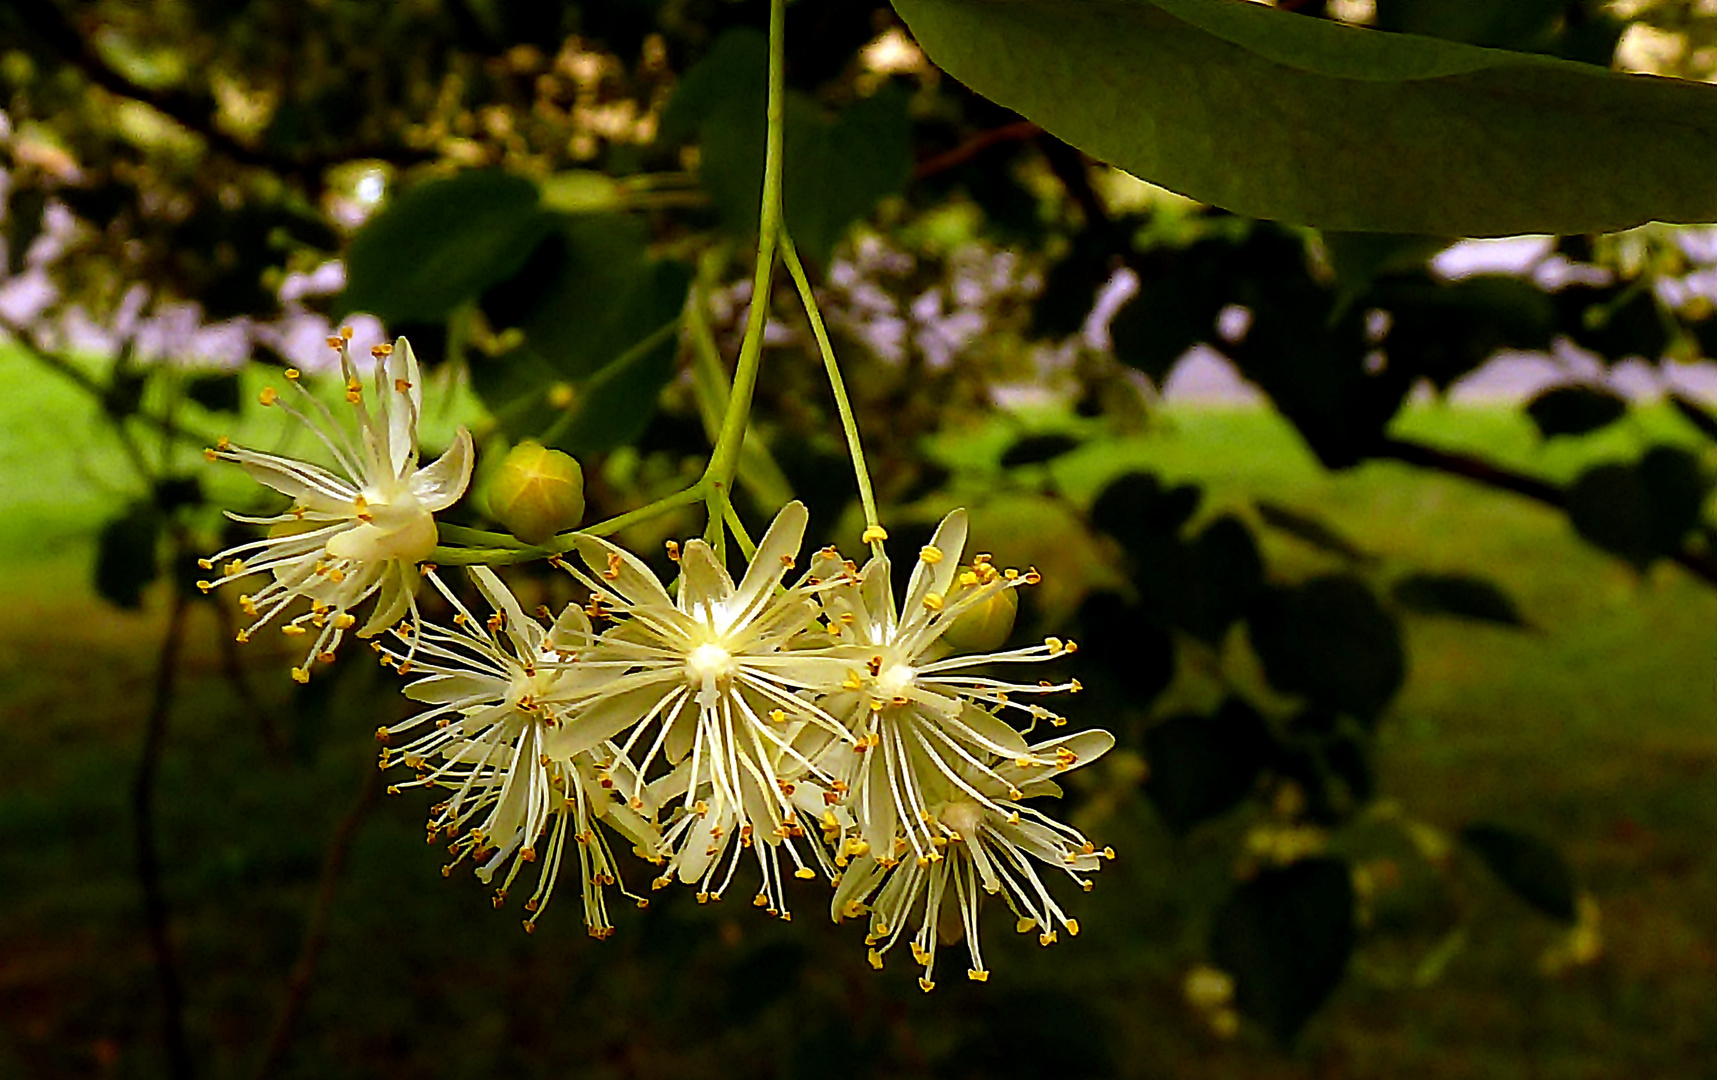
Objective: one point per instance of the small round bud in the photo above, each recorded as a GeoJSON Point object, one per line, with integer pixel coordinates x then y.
{"type": "Point", "coordinates": [985, 626]}
{"type": "Point", "coordinates": [537, 492]}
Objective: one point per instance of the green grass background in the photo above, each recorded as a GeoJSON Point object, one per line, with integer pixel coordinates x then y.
{"type": "Point", "coordinates": [1597, 728]}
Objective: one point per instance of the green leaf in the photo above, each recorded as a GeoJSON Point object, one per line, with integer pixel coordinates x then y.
{"type": "Point", "coordinates": [1331, 641]}
{"type": "Point", "coordinates": [442, 243]}
{"type": "Point", "coordinates": [1204, 766]}
{"type": "Point", "coordinates": [1276, 115]}
{"type": "Point", "coordinates": [597, 314]}
{"type": "Point", "coordinates": [127, 557]}
{"type": "Point", "coordinates": [1575, 410]}
{"type": "Point", "coordinates": [216, 393]}
{"type": "Point", "coordinates": [1458, 596]}
{"type": "Point", "coordinates": [1285, 937]}
{"type": "Point", "coordinates": [1640, 512]}
{"type": "Point", "coordinates": [1038, 449]}
{"type": "Point", "coordinates": [1702, 419]}
{"type": "Point", "coordinates": [1531, 867]}
{"type": "Point", "coordinates": [1309, 530]}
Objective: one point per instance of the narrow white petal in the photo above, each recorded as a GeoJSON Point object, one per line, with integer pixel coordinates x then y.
{"type": "Point", "coordinates": [442, 482]}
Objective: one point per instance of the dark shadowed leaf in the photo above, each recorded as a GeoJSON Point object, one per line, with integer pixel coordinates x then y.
{"type": "Point", "coordinates": [1459, 595]}
{"type": "Point", "coordinates": [441, 243]}
{"type": "Point", "coordinates": [1694, 413]}
{"type": "Point", "coordinates": [1615, 321]}
{"type": "Point", "coordinates": [596, 312]}
{"type": "Point", "coordinates": [1129, 650]}
{"type": "Point", "coordinates": [1204, 766]}
{"type": "Point", "coordinates": [1444, 329]}
{"type": "Point", "coordinates": [217, 393]}
{"type": "Point", "coordinates": [127, 558]}
{"type": "Point", "coordinates": [1276, 115]}
{"type": "Point", "coordinates": [1531, 867]}
{"type": "Point", "coordinates": [1138, 511]}
{"type": "Point", "coordinates": [1310, 530]}
{"type": "Point", "coordinates": [1201, 586]}
{"type": "Point", "coordinates": [1037, 449]}
{"type": "Point", "coordinates": [1330, 640]}
{"type": "Point", "coordinates": [1640, 512]}
{"type": "Point", "coordinates": [1575, 410]}
{"type": "Point", "coordinates": [1285, 937]}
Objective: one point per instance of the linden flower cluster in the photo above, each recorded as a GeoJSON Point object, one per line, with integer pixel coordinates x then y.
{"type": "Point", "coordinates": [802, 722]}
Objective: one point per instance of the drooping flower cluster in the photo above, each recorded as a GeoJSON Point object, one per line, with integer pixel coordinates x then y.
{"type": "Point", "coordinates": [806, 722]}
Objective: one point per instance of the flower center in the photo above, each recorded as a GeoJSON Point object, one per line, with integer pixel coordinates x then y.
{"type": "Point", "coordinates": [401, 530]}
{"type": "Point", "coordinates": [895, 680]}
{"type": "Point", "coordinates": [963, 818]}
{"type": "Point", "coordinates": [707, 663]}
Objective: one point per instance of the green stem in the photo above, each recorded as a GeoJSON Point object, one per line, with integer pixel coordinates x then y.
{"type": "Point", "coordinates": [746, 545]}
{"type": "Point", "coordinates": [849, 423]}
{"type": "Point", "coordinates": [724, 458]}
{"type": "Point", "coordinates": [566, 541]}
{"type": "Point", "coordinates": [462, 534]}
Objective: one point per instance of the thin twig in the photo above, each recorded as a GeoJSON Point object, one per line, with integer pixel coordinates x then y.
{"type": "Point", "coordinates": [316, 926]}
{"type": "Point", "coordinates": [155, 911]}
{"type": "Point", "coordinates": [97, 389]}
{"type": "Point", "coordinates": [971, 148]}
{"type": "Point", "coordinates": [232, 666]}
{"type": "Point", "coordinates": [1702, 565]}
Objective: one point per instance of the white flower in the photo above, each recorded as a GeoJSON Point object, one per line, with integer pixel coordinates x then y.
{"type": "Point", "coordinates": [727, 713]}
{"type": "Point", "coordinates": [985, 841]}
{"type": "Point", "coordinates": [527, 768]}
{"type": "Point", "coordinates": [356, 531]}
{"type": "Point", "coordinates": [922, 714]}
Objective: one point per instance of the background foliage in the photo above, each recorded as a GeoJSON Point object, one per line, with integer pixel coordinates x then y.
{"type": "Point", "coordinates": [554, 201]}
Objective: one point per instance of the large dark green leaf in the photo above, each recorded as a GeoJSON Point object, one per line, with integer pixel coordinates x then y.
{"type": "Point", "coordinates": [1204, 766]}
{"type": "Point", "coordinates": [1531, 867]}
{"type": "Point", "coordinates": [1285, 937]}
{"type": "Point", "coordinates": [596, 311]}
{"type": "Point", "coordinates": [127, 558]}
{"type": "Point", "coordinates": [1640, 512]}
{"type": "Point", "coordinates": [441, 243]}
{"type": "Point", "coordinates": [1276, 115]}
{"type": "Point", "coordinates": [1330, 640]}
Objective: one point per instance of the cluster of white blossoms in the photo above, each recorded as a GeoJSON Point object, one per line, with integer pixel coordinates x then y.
{"type": "Point", "coordinates": [801, 721]}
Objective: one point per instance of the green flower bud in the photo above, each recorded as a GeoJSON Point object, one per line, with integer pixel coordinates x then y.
{"type": "Point", "coordinates": [537, 492]}
{"type": "Point", "coordinates": [985, 627]}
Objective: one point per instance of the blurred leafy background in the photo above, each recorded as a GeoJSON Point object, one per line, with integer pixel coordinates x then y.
{"type": "Point", "coordinates": [1392, 559]}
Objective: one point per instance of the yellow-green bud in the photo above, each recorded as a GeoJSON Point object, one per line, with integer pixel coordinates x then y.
{"type": "Point", "coordinates": [986, 626]}
{"type": "Point", "coordinates": [537, 492]}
